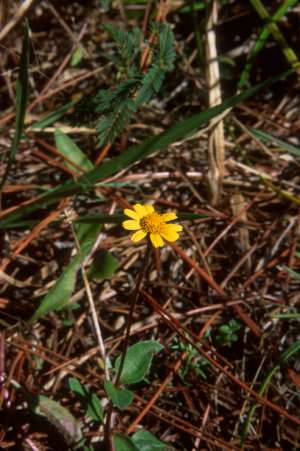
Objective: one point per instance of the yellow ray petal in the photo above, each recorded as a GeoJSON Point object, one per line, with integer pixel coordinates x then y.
{"type": "Point", "coordinates": [137, 236]}
{"type": "Point", "coordinates": [174, 227]}
{"type": "Point", "coordinates": [169, 234]}
{"type": "Point", "coordinates": [131, 213]}
{"type": "Point", "coordinates": [149, 209]}
{"type": "Point", "coordinates": [156, 240]}
{"type": "Point", "coordinates": [141, 210]}
{"type": "Point", "coordinates": [131, 225]}
{"type": "Point", "coordinates": [169, 216]}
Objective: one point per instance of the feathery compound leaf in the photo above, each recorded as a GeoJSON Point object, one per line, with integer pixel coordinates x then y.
{"type": "Point", "coordinates": [116, 34]}
{"type": "Point", "coordinates": [109, 99]}
{"type": "Point", "coordinates": [110, 126]}
{"type": "Point", "coordinates": [150, 85]}
{"type": "Point", "coordinates": [166, 53]}
{"type": "Point", "coordinates": [128, 43]}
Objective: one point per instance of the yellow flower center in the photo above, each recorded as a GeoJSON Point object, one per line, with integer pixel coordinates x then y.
{"type": "Point", "coordinates": [152, 223]}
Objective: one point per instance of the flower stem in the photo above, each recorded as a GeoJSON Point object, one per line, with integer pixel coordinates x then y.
{"type": "Point", "coordinates": [135, 297]}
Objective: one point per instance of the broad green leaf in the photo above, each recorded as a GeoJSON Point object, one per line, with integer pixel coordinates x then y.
{"type": "Point", "coordinates": [138, 360]}
{"type": "Point", "coordinates": [175, 133]}
{"type": "Point", "coordinates": [22, 90]}
{"type": "Point", "coordinates": [95, 409]}
{"type": "Point", "coordinates": [59, 295]}
{"type": "Point", "coordinates": [145, 441]}
{"type": "Point", "coordinates": [120, 397]}
{"type": "Point", "coordinates": [123, 443]}
{"type": "Point", "coordinates": [77, 387]}
{"type": "Point", "coordinates": [91, 402]}
{"type": "Point", "coordinates": [59, 416]}
{"type": "Point", "coordinates": [68, 148]}
{"type": "Point", "coordinates": [103, 265]}
{"type": "Point", "coordinates": [266, 137]}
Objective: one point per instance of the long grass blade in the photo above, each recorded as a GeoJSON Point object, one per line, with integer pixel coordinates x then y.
{"type": "Point", "coordinates": [21, 101]}
{"type": "Point", "coordinates": [175, 133]}
{"type": "Point", "coordinates": [285, 356]}
{"type": "Point", "coordinates": [262, 39]}
{"type": "Point", "coordinates": [287, 50]}
{"type": "Point", "coordinates": [266, 137]}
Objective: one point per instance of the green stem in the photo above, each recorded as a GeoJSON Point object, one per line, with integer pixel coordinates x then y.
{"type": "Point", "coordinates": [274, 29]}
{"type": "Point", "coordinates": [262, 38]}
{"type": "Point", "coordinates": [107, 428]}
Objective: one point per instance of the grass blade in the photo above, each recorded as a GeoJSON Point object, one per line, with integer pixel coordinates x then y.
{"type": "Point", "coordinates": [21, 102]}
{"type": "Point", "coordinates": [58, 296]}
{"type": "Point", "coordinates": [262, 39]}
{"type": "Point", "coordinates": [175, 133]}
{"type": "Point", "coordinates": [293, 349]}
{"type": "Point", "coordinates": [288, 52]}
{"type": "Point", "coordinates": [52, 117]}
{"type": "Point", "coordinates": [266, 137]}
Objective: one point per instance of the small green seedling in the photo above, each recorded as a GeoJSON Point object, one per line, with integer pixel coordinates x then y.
{"type": "Point", "coordinates": [194, 361]}
{"type": "Point", "coordinates": [228, 332]}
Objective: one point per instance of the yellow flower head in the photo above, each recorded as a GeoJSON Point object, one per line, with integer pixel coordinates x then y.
{"type": "Point", "coordinates": [145, 220]}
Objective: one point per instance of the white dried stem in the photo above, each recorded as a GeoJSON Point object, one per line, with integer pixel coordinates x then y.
{"type": "Point", "coordinates": [216, 147]}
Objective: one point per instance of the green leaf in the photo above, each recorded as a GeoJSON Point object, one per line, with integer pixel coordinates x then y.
{"type": "Point", "coordinates": [77, 387]}
{"type": "Point", "coordinates": [234, 325]}
{"type": "Point", "coordinates": [77, 56]}
{"type": "Point", "coordinates": [167, 53]}
{"type": "Point", "coordinates": [59, 295]}
{"type": "Point", "coordinates": [68, 148]}
{"type": "Point", "coordinates": [58, 415]}
{"type": "Point", "coordinates": [103, 265]}
{"type": "Point", "coordinates": [138, 361]}
{"type": "Point", "coordinates": [267, 137]}
{"type": "Point", "coordinates": [151, 84]}
{"type": "Point", "coordinates": [22, 90]}
{"type": "Point", "coordinates": [91, 402]}
{"type": "Point", "coordinates": [120, 397]}
{"type": "Point", "coordinates": [225, 329]}
{"type": "Point", "coordinates": [123, 443]}
{"type": "Point", "coordinates": [49, 119]}
{"type": "Point", "coordinates": [175, 133]}
{"type": "Point", "coordinates": [145, 441]}
{"type": "Point", "coordinates": [95, 409]}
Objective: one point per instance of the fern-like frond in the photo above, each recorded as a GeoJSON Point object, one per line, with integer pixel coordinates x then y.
{"type": "Point", "coordinates": [108, 100]}
{"type": "Point", "coordinates": [112, 125]}
{"type": "Point", "coordinates": [166, 52]}
{"type": "Point", "coordinates": [151, 84]}
{"type": "Point", "coordinates": [128, 44]}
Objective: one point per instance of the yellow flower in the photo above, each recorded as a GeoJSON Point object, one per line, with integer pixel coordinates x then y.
{"type": "Point", "coordinates": [145, 220]}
